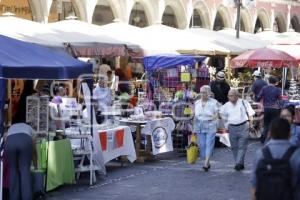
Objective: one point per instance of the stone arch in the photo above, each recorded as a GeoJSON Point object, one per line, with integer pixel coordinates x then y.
{"type": "Point", "coordinates": [222, 19]}
{"type": "Point", "coordinates": [105, 12]}
{"type": "Point", "coordinates": [34, 6]}
{"type": "Point", "coordinates": [203, 12]}
{"type": "Point", "coordinates": [246, 20]}
{"type": "Point", "coordinates": [68, 7]}
{"type": "Point", "coordinates": [262, 21]}
{"type": "Point", "coordinates": [179, 12]}
{"type": "Point", "coordinates": [147, 6]}
{"type": "Point", "coordinates": [139, 16]}
{"type": "Point", "coordinates": [295, 24]}
{"type": "Point", "coordinates": [279, 23]}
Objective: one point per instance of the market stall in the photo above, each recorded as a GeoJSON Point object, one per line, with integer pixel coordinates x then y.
{"type": "Point", "coordinates": [115, 142]}
{"type": "Point", "coordinates": [22, 60]}
{"type": "Point", "coordinates": [168, 76]}
{"type": "Point", "coordinates": [87, 40]}
{"type": "Point", "coordinates": [268, 58]}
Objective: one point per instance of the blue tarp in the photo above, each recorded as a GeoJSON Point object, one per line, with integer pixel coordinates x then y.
{"type": "Point", "coordinates": [152, 63]}
{"type": "Point", "coordinates": [23, 60]}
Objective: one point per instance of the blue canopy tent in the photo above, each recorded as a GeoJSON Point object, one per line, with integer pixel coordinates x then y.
{"type": "Point", "coordinates": [153, 63]}
{"type": "Point", "coordinates": [161, 62]}
{"type": "Point", "coordinates": [22, 60]}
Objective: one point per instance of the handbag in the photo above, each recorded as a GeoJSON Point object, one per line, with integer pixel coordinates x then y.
{"type": "Point", "coordinates": [252, 132]}
{"type": "Point", "coordinates": [192, 151]}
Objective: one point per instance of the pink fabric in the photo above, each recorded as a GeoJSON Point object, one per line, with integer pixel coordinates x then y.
{"type": "Point", "coordinates": [264, 58]}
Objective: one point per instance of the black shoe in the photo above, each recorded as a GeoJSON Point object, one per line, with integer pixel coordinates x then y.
{"type": "Point", "coordinates": [242, 167]}
{"type": "Point", "coordinates": [206, 168]}
{"type": "Point", "coordinates": [239, 167]}
{"type": "Point", "coordinates": [262, 139]}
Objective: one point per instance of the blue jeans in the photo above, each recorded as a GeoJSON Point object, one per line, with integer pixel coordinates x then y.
{"type": "Point", "coordinates": [206, 141]}
{"type": "Point", "coordinates": [19, 154]}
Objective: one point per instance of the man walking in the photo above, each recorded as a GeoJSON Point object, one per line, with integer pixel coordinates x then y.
{"type": "Point", "coordinates": [220, 88]}
{"type": "Point", "coordinates": [276, 171]}
{"type": "Point", "coordinates": [270, 95]}
{"type": "Point", "coordinates": [238, 116]}
{"type": "Point", "coordinates": [258, 84]}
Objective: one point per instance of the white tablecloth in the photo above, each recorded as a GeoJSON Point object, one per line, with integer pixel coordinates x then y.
{"type": "Point", "coordinates": [112, 149]}
{"type": "Point", "coordinates": [160, 131]}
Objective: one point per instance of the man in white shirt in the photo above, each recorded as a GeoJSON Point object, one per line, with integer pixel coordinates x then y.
{"type": "Point", "coordinates": [104, 68]}
{"type": "Point", "coordinates": [238, 115]}
{"type": "Point", "coordinates": [102, 94]}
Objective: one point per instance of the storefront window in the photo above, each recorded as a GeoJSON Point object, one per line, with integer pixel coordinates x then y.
{"type": "Point", "coordinates": [20, 8]}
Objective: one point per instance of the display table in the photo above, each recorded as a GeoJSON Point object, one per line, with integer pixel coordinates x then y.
{"type": "Point", "coordinates": [158, 134]}
{"type": "Point", "coordinates": [115, 142]}
{"type": "Point", "coordinates": [60, 165]}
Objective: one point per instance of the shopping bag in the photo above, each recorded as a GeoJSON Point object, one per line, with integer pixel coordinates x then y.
{"type": "Point", "coordinates": [192, 151]}
{"type": "Point", "coordinates": [38, 184]}
{"type": "Point", "coordinates": [187, 111]}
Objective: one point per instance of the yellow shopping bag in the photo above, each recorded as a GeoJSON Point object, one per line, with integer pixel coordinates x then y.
{"type": "Point", "coordinates": [192, 151]}
{"type": "Point", "coordinates": [187, 111]}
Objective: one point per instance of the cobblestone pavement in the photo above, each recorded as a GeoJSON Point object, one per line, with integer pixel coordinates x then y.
{"type": "Point", "coordinates": [170, 178]}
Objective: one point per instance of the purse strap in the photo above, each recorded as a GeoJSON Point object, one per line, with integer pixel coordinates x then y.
{"type": "Point", "coordinates": [246, 110]}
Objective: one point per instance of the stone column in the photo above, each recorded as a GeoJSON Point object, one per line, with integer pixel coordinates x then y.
{"type": "Point", "coordinates": [189, 13]}
{"type": "Point", "coordinates": [288, 18]}
{"type": "Point", "coordinates": [42, 8]}
{"type": "Point", "coordinates": [272, 18]}
{"type": "Point", "coordinates": [86, 9]}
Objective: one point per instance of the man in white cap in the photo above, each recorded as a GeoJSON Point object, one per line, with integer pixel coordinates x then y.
{"type": "Point", "coordinates": [258, 84]}
{"type": "Point", "coordinates": [220, 88]}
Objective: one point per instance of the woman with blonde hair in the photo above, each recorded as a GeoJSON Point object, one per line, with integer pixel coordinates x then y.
{"type": "Point", "coordinates": [205, 123]}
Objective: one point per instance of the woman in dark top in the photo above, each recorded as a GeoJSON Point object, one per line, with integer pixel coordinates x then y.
{"type": "Point", "coordinates": [21, 113]}
{"type": "Point", "coordinates": [270, 96]}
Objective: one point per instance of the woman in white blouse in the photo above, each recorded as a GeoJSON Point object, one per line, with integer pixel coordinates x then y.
{"type": "Point", "coordinates": [205, 123]}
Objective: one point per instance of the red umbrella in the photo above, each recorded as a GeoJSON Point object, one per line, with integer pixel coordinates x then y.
{"type": "Point", "coordinates": [264, 58]}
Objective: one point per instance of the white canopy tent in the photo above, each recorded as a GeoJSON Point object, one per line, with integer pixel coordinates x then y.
{"type": "Point", "coordinates": [219, 39]}
{"type": "Point", "coordinates": [128, 33]}
{"type": "Point", "coordinates": [87, 39]}
{"type": "Point", "coordinates": [28, 31]}
{"type": "Point", "coordinates": [267, 35]}
{"type": "Point", "coordinates": [79, 31]}
{"type": "Point", "coordinates": [80, 34]}
{"type": "Point", "coordinates": [180, 40]}
{"type": "Point", "coordinates": [290, 37]}
{"type": "Point", "coordinates": [247, 40]}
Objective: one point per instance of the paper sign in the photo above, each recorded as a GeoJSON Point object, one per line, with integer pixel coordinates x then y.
{"type": "Point", "coordinates": [185, 77]}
